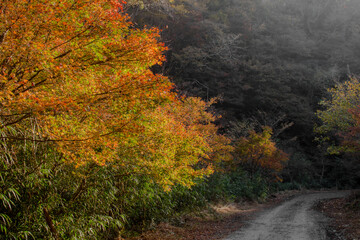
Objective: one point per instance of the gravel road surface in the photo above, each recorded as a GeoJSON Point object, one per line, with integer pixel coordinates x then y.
{"type": "Point", "coordinates": [292, 220]}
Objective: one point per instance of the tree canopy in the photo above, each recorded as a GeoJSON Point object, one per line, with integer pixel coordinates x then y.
{"type": "Point", "coordinates": [82, 73]}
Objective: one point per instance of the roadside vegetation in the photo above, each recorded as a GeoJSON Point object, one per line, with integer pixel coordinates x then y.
{"type": "Point", "coordinates": [117, 116]}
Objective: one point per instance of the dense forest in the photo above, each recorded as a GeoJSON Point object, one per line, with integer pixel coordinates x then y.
{"type": "Point", "coordinates": [117, 115]}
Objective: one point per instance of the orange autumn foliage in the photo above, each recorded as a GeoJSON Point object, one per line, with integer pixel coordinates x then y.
{"type": "Point", "coordinates": [178, 139]}
{"type": "Point", "coordinates": [80, 70]}
{"type": "Point", "coordinates": [259, 153]}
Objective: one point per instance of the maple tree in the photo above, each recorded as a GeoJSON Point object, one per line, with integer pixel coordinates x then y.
{"type": "Point", "coordinates": [339, 114]}
{"type": "Point", "coordinates": [258, 152]}
{"type": "Point", "coordinates": [82, 114]}
{"type": "Point", "coordinates": [81, 70]}
{"type": "Point", "coordinates": [339, 129]}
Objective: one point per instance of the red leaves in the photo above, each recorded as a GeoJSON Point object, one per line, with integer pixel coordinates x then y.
{"type": "Point", "coordinates": [351, 138]}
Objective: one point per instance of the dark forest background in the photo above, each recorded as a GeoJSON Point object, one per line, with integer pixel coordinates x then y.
{"type": "Point", "coordinates": [270, 62]}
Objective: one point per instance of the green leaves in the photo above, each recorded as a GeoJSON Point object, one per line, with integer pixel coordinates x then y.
{"type": "Point", "coordinates": [339, 114]}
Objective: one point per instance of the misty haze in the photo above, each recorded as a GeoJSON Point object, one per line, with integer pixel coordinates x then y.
{"type": "Point", "coordinates": [180, 119]}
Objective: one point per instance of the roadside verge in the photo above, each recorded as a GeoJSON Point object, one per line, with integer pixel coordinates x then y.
{"type": "Point", "coordinates": [214, 223]}
{"type": "Point", "coordinates": [345, 216]}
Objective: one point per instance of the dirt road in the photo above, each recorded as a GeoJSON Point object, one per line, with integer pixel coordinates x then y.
{"type": "Point", "coordinates": [294, 219]}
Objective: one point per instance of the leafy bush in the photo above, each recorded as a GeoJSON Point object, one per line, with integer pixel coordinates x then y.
{"type": "Point", "coordinates": [237, 186]}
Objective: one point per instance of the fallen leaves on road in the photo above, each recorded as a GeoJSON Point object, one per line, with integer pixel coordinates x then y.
{"type": "Point", "coordinates": [345, 216]}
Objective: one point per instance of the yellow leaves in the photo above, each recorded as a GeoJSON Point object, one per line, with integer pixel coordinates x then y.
{"type": "Point", "coordinates": [173, 148]}
{"type": "Point", "coordinates": [259, 151]}
{"type": "Point", "coordinates": [336, 117]}
{"type": "Point", "coordinates": [84, 76]}
{"type": "Point", "coordinates": [61, 68]}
